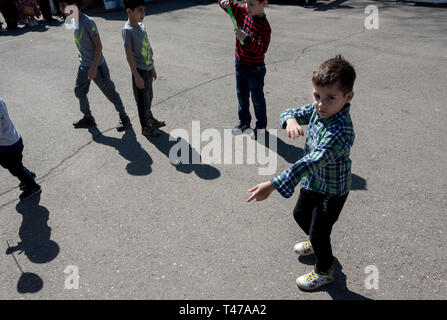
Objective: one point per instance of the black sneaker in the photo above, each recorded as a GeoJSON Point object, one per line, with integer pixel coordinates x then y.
{"type": "Point", "coordinates": [155, 123]}
{"type": "Point", "coordinates": [123, 124]}
{"type": "Point", "coordinates": [150, 132]}
{"type": "Point", "coordinates": [239, 129]}
{"type": "Point", "coordinates": [29, 192]}
{"type": "Point", "coordinates": [22, 185]}
{"type": "Point", "coordinates": [85, 123]}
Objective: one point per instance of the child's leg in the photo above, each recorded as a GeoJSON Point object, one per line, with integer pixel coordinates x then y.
{"type": "Point", "coordinates": [243, 95]}
{"type": "Point", "coordinates": [107, 87]}
{"type": "Point", "coordinates": [82, 87]}
{"type": "Point", "coordinates": [323, 218]}
{"type": "Point", "coordinates": [303, 210]}
{"type": "Point", "coordinates": [13, 162]}
{"type": "Point", "coordinates": [143, 97]}
{"type": "Point", "coordinates": [256, 83]}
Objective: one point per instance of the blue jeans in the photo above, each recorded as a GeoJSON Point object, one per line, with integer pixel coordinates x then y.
{"type": "Point", "coordinates": [250, 80]}
{"type": "Point", "coordinates": [103, 82]}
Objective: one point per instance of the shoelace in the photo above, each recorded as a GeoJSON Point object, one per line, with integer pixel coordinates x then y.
{"type": "Point", "coordinates": [311, 276]}
{"type": "Point", "coordinates": [307, 244]}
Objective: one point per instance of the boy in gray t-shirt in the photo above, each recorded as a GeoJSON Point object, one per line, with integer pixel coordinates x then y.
{"type": "Point", "coordinates": [140, 58]}
{"type": "Point", "coordinates": [92, 67]}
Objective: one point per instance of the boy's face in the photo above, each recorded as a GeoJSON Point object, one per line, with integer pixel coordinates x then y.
{"type": "Point", "coordinates": [256, 7]}
{"type": "Point", "coordinates": [329, 100]}
{"type": "Point", "coordinates": [71, 10]}
{"type": "Point", "coordinates": [137, 14]}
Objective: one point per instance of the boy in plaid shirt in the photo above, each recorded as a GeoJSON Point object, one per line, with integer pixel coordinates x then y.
{"type": "Point", "coordinates": [325, 169]}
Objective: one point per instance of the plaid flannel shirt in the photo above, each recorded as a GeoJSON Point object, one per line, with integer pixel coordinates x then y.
{"type": "Point", "coordinates": [326, 166]}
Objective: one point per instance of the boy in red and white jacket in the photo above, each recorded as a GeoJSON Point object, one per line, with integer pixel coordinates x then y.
{"type": "Point", "coordinates": [252, 41]}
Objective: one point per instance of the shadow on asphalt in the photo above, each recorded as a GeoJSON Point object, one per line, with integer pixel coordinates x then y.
{"type": "Point", "coordinates": [152, 8]}
{"type": "Point", "coordinates": [36, 243]}
{"type": "Point", "coordinates": [22, 30]}
{"type": "Point", "coordinates": [338, 289]}
{"type": "Point", "coordinates": [129, 148]}
{"type": "Point", "coordinates": [165, 143]}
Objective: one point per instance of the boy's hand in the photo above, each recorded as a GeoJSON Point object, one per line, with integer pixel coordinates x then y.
{"type": "Point", "coordinates": [92, 72]}
{"type": "Point", "coordinates": [294, 130]}
{"type": "Point", "coordinates": [154, 77]}
{"type": "Point", "coordinates": [139, 82]}
{"type": "Point", "coordinates": [240, 35]}
{"type": "Point", "coordinates": [224, 3]}
{"type": "Point", "coordinates": [261, 191]}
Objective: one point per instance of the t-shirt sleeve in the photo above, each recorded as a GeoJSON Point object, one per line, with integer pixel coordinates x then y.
{"type": "Point", "coordinates": [127, 38]}
{"type": "Point", "coordinates": [92, 28]}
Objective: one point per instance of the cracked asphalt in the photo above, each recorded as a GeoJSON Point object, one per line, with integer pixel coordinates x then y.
{"type": "Point", "coordinates": [135, 226]}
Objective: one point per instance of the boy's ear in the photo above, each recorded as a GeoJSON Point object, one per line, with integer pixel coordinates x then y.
{"type": "Point", "coordinates": [128, 11]}
{"type": "Point", "coordinates": [349, 96]}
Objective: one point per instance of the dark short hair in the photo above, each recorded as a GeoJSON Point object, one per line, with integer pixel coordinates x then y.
{"type": "Point", "coordinates": [335, 71]}
{"type": "Point", "coordinates": [132, 4]}
{"type": "Point", "coordinates": [77, 3]}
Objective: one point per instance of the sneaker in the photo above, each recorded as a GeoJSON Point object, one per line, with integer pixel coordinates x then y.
{"type": "Point", "coordinates": [239, 129]}
{"type": "Point", "coordinates": [85, 122]}
{"type": "Point", "coordinates": [314, 280]}
{"type": "Point", "coordinates": [150, 132]}
{"type": "Point", "coordinates": [22, 185]}
{"type": "Point", "coordinates": [123, 124]}
{"type": "Point", "coordinates": [303, 248]}
{"type": "Point", "coordinates": [29, 192]}
{"type": "Point", "coordinates": [257, 132]}
{"type": "Point", "coordinates": [155, 123]}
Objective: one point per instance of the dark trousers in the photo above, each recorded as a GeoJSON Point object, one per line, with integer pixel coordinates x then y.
{"type": "Point", "coordinates": [250, 80]}
{"type": "Point", "coordinates": [316, 213]}
{"type": "Point", "coordinates": [12, 160]}
{"type": "Point", "coordinates": [9, 11]}
{"type": "Point", "coordinates": [45, 7]}
{"type": "Point", "coordinates": [104, 83]}
{"type": "Point", "coordinates": [143, 97]}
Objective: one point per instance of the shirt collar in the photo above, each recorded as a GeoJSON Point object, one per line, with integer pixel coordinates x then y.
{"type": "Point", "coordinates": [336, 117]}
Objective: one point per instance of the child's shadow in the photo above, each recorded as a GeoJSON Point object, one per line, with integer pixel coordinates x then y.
{"type": "Point", "coordinates": [129, 148]}
{"type": "Point", "coordinates": [34, 233]}
{"type": "Point", "coordinates": [292, 154]}
{"type": "Point", "coordinates": [337, 289]}
{"type": "Point", "coordinates": [165, 142]}
{"type": "Point", "coordinates": [288, 152]}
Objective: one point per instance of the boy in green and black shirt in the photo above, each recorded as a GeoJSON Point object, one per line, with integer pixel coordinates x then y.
{"type": "Point", "coordinates": [140, 58]}
{"type": "Point", "coordinates": [325, 169]}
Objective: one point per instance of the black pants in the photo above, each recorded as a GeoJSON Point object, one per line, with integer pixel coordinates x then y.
{"type": "Point", "coordinates": [13, 162]}
{"type": "Point", "coordinates": [45, 7]}
{"type": "Point", "coordinates": [143, 97]}
{"type": "Point", "coordinates": [316, 213]}
{"type": "Point", "coordinates": [9, 11]}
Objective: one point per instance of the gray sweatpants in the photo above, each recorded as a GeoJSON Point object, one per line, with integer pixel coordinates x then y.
{"type": "Point", "coordinates": [104, 83]}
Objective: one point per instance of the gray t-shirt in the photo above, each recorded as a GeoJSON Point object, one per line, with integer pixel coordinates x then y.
{"type": "Point", "coordinates": [136, 38]}
{"type": "Point", "coordinates": [83, 39]}
{"type": "Point", "coordinates": [8, 133]}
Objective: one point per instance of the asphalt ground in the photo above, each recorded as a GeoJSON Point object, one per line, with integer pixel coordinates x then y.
{"type": "Point", "coordinates": [136, 226]}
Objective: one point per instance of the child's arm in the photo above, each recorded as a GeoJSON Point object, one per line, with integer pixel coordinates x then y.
{"type": "Point", "coordinates": [139, 82]}
{"type": "Point", "coordinates": [98, 52]}
{"type": "Point", "coordinates": [235, 8]}
{"type": "Point", "coordinates": [333, 145]}
{"type": "Point", "coordinates": [291, 119]}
